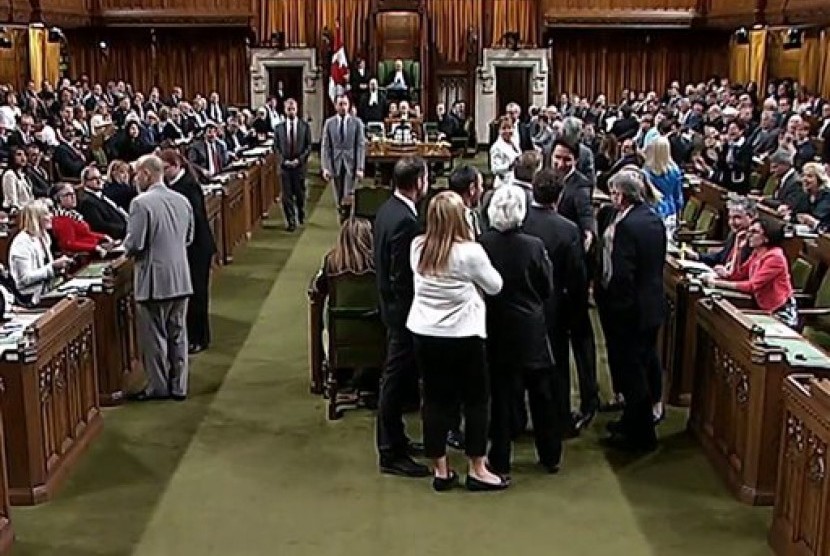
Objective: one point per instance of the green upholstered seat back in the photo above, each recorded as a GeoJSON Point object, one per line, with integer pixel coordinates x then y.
{"type": "Point", "coordinates": [706, 221]}
{"type": "Point", "coordinates": [770, 186]}
{"type": "Point", "coordinates": [801, 272]}
{"type": "Point", "coordinates": [690, 211]}
{"type": "Point", "coordinates": [367, 201]}
{"type": "Point", "coordinates": [356, 333]}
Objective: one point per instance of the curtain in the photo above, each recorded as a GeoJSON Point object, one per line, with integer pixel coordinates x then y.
{"type": "Point", "coordinates": [810, 61]}
{"type": "Point", "coordinates": [781, 63]}
{"type": "Point", "coordinates": [738, 62]}
{"type": "Point", "coordinates": [521, 16]}
{"type": "Point", "coordinates": [758, 57]}
{"type": "Point", "coordinates": [353, 15]}
{"type": "Point", "coordinates": [198, 60]}
{"type": "Point", "coordinates": [588, 63]}
{"type": "Point", "coordinates": [450, 20]}
{"type": "Point", "coordinates": [37, 40]}
{"type": "Point", "coordinates": [288, 16]}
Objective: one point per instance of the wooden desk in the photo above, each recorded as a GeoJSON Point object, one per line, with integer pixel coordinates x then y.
{"type": "Point", "coordinates": [6, 530]}
{"type": "Point", "coordinates": [801, 519]}
{"type": "Point", "coordinates": [736, 411]}
{"type": "Point", "coordinates": [213, 207]}
{"type": "Point", "coordinates": [382, 156]}
{"type": "Point", "coordinates": [50, 399]}
{"type": "Point", "coordinates": [234, 217]}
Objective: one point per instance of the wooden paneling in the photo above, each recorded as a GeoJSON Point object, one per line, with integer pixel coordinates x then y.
{"type": "Point", "coordinates": [781, 63]}
{"type": "Point", "coordinates": [63, 13]}
{"type": "Point", "coordinates": [176, 12]}
{"type": "Point", "coordinates": [589, 62]}
{"type": "Point", "coordinates": [397, 35]}
{"type": "Point", "coordinates": [14, 61]}
{"type": "Point", "coordinates": [553, 5]}
{"type": "Point", "coordinates": [198, 60]}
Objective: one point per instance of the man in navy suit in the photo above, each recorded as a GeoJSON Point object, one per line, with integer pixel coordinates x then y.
{"type": "Point", "coordinates": [293, 142]}
{"type": "Point", "coordinates": [396, 225]}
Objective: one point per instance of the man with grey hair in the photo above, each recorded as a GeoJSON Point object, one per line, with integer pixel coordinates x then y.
{"type": "Point", "coordinates": [736, 250]}
{"type": "Point", "coordinates": [788, 195]}
{"type": "Point", "coordinates": [765, 137]}
{"type": "Point", "coordinates": [159, 229]}
{"type": "Point", "coordinates": [519, 352]}
{"type": "Point", "coordinates": [572, 133]}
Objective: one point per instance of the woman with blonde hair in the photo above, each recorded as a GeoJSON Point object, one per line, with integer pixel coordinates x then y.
{"type": "Point", "coordinates": [352, 254]}
{"type": "Point", "coordinates": [448, 322]}
{"type": "Point", "coordinates": [118, 187]}
{"type": "Point", "coordinates": [30, 255]}
{"type": "Point", "coordinates": [816, 185]}
{"type": "Point", "coordinates": [662, 172]}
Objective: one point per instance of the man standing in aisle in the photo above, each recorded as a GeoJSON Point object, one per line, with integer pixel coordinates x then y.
{"type": "Point", "coordinates": [159, 230]}
{"type": "Point", "coordinates": [293, 143]}
{"type": "Point", "coordinates": [343, 153]}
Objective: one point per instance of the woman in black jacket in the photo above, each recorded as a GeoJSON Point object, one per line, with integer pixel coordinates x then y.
{"type": "Point", "coordinates": [200, 252]}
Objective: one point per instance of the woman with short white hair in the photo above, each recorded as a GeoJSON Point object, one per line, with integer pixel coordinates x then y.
{"type": "Point", "coordinates": [519, 353]}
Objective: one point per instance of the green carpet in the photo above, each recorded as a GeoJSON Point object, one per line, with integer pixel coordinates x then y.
{"type": "Point", "coordinates": [250, 466]}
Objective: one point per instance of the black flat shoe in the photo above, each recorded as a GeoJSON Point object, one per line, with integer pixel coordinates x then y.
{"type": "Point", "coordinates": [551, 468]}
{"type": "Point", "coordinates": [443, 484]}
{"type": "Point", "coordinates": [144, 397]}
{"type": "Point", "coordinates": [195, 348]}
{"type": "Point", "coordinates": [404, 467]}
{"type": "Point", "coordinates": [475, 485]}
{"type": "Point", "coordinates": [177, 397]}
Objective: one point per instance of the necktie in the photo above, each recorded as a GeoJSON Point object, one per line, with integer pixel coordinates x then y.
{"type": "Point", "coordinates": [291, 139]}
{"type": "Point", "coordinates": [342, 129]}
{"type": "Point", "coordinates": [217, 164]}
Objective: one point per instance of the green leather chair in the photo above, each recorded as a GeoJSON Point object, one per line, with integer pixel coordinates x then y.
{"type": "Point", "coordinates": [356, 336]}
{"type": "Point", "coordinates": [367, 201]}
{"type": "Point", "coordinates": [411, 68]}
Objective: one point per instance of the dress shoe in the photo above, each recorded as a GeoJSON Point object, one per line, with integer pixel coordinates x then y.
{"type": "Point", "coordinates": [291, 227]}
{"type": "Point", "coordinates": [178, 397]}
{"type": "Point", "coordinates": [455, 440]}
{"type": "Point", "coordinates": [143, 396]}
{"type": "Point", "coordinates": [195, 348]}
{"type": "Point", "coordinates": [583, 420]}
{"type": "Point", "coordinates": [404, 467]}
{"type": "Point", "coordinates": [415, 448]}
{"type": "Point", "coordinates": [476, 485]}
{"type": "Point", "coordinates": [552, 468]}
{"type": "Point", "coordinates": [443, 484]}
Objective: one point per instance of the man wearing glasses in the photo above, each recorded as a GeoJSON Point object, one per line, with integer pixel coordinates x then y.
{"type": "Point", "coordinates": [99, 211]}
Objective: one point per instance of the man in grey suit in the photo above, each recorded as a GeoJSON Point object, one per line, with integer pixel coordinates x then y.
{"type": "Point", "coordinates": [343, 153]}
{"type": "Point", "coordinates": [159, 230]}
{"type": "Point", "coordinates": [293, 143]}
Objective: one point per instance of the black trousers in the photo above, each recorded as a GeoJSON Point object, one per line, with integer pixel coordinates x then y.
{"type": "Point", "coordinates": [454, 374]}
{"type": "Point", "coordinates": [399, 371]}
{"type": "Point", "coordinates": [641, 379]}
{"type": "Point", "coordinates": [612, 341]}
{"type": "Point", "coordinates": [574, 329]}
{"type": "Point", "coordinates": [508, 386]}
{"type": "Point", "coordinates": [293, 194]}
{"type": "Point", "coordinates": [198, 315]}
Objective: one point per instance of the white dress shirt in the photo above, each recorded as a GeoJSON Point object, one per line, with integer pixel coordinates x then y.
{"type": "Point", "coordinates": [451, 304]}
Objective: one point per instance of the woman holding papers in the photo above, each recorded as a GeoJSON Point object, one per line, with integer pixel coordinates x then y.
{"type": "Point", "coordinates": [765, 275]}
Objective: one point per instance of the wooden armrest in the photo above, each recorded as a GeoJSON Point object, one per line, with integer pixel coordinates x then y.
{"type": "Point", "coordinates": [690, 235]}
{"type": "Point", "coordinates": [708, 243]}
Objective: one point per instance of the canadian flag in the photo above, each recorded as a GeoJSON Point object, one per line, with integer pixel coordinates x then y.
{"type": "Point", "coordinates": [339, 65]}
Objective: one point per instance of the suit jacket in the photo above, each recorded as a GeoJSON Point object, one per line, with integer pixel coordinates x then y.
{"type": "Point", "coordinates": [395, 228]}
{"type": "Point", "coordinates": [791, 193]}
{"type": "Point", "coordinates": [585, 164]}
{"type": "Point", "coordinates": [102, 216]}
{"type": "Point", "coordinates": [69, 163]}
{"type": "Point", "coordinates": [302, 143]}
{"type": "Point", "coordinates": [563, 243]}
{"type": "Point", "coordinates": [734, 167]}
{"type": "Point", "coordinates": [197, 153]}
{"type": "Point", "coordinates": [122, 194]}
{"type": "Point", "coordinates": [517, 335]}
{"type": "Point", "coordinates": [804, 153]}
{"type": "Point", "coordinates": [722, 256]}
{"type": "Point", "coordinates": [349, 154]}
{"type": "Point", "coordinates": [764, 141]}
{"type": "Point", "coordinates": [635, 291]}
{"type": "Point", "coordinates": [16, 139]}
{"type": "Point", "coordinates": [160, 228]}
{"type": "Point", "coordinates": [625, 128]}
{"type": "Point", "coordinates": [216, 112]}
{"type": "Point", "coordinates": [203, 247]}
{"type": "Point", "coordinates": [375, 112]}
{"type": "Point", "coordinates": [575, 203]}
{"type": "Point", "coordinates": [39, 179]}
{"type": "Point", "coordinates": [695, 122]}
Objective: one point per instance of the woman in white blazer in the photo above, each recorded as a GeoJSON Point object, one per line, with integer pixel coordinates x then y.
{"type": "Point", "coordinates": [30, 256]}
{"type": "Point", "coordinates": [503, 154]}
{"type": "Point", "coordinates": [17, 190]}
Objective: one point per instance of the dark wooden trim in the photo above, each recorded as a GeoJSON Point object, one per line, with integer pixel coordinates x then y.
{"type": "Point", "coordinates": [622, 18]}
{"type": "Point", "coordinates": [171, 18]}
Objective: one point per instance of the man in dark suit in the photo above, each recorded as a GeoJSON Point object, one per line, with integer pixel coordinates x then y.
{"type": "Point", "coordinates": [563, 243]}
{"type": "Point", "coordinates": [626, 126]}
{"type": "Point", "coordinates": [736, 250]}
{"type": "Point", "coordinates": [293, 143]}
{"type": "Point", "coordinates": [359, 82]}
{"type": "Point", "coordinates": [735, 164]}
{"type": "Point", "coordinates": [575, 205]}
{"type": "Point", "coordinates": [24, 135]}
{"type": "Point", "coordinates": [789, 194]}
{"type": "Point", "coordinates": [633, 278]}
{"type": "Point", "coordinates": [396, 225]}
{"type": "Point", "coordinates": [765, 137]}
{"type": "Point", "coordinates": [521, 131]}
{"type": "Point", "coordinates": [98, 210]}
{"type": "Point", "coordinates": [210, 155]}
{"type": "Point", "coordinates": [200, 252]}
{"type": "Point", "coordinates": [69, 160]}
{"type": "Point", "coordinates": [216, 111]}
{"type": "Point", "coordinates": [37, 174]}
{"type": "Point", "coordinates": [372, 107]}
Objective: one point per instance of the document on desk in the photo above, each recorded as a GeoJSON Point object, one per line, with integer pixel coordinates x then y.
{"type": "Point", "coordinates": [695, 267]}
{"type": "Point", "coordinates": [773, 328]}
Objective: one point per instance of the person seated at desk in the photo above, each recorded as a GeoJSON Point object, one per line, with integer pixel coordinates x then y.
{"type": "Point", "coordinates": [30, 253]}
{"type": "Point", "coordinates": [210, 155]}
{"type": "Point", "coordinates": [736, 250]}
{"type": "Point", "coordinates": [129, 145]}
{"type": "Point", "coordinates": [789, 195]}
{"type": "Point", "coordinates": [37, 174]}
{"type": "Point", "coordinates": [168, 129]}
{"type": "Point", "coordinates": [400, 83]}
{"type": "Point", "coordinates": [99, 211]}
{"type": "Point", "coordinates": [765, 275]}
{"type": "Point", "coordinates": [17, 189]}
{"type": "Point", "coordinates": [817, 187]}
{"type": "Point", "coordinates": [71, 232]}
{"type": "Point", "coordinates": [118, 187]}
{"type": "Point", "coordinates": [68, 158]}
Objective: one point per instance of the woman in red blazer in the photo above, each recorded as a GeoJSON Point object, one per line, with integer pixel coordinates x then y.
{"type": "Point", "coordinates": [765, 275]}
{"type": "Point", "coordinates": [71, 232]}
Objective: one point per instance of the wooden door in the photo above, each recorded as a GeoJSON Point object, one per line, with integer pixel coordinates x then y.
{"type": "Point", "coordinates": [513, 85]}
{"type": "Point", "coordinates": [292, 83]}
{"type": "Point", "coordinates": [398, 35]}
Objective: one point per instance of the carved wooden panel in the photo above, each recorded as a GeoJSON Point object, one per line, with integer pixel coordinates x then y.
{"type": "Point", "coordinates": [63, 13]}
{"type": "Point", "coordinates": [450, 88]}
{"type": "Point", "coordinates": [14, 61]}
{"type": "Point", "coordinates": [398, 35]}
{"type": "Point", "coordinates": [548, 5]}
{"type": "Point", "coordinates": [181, 12]}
